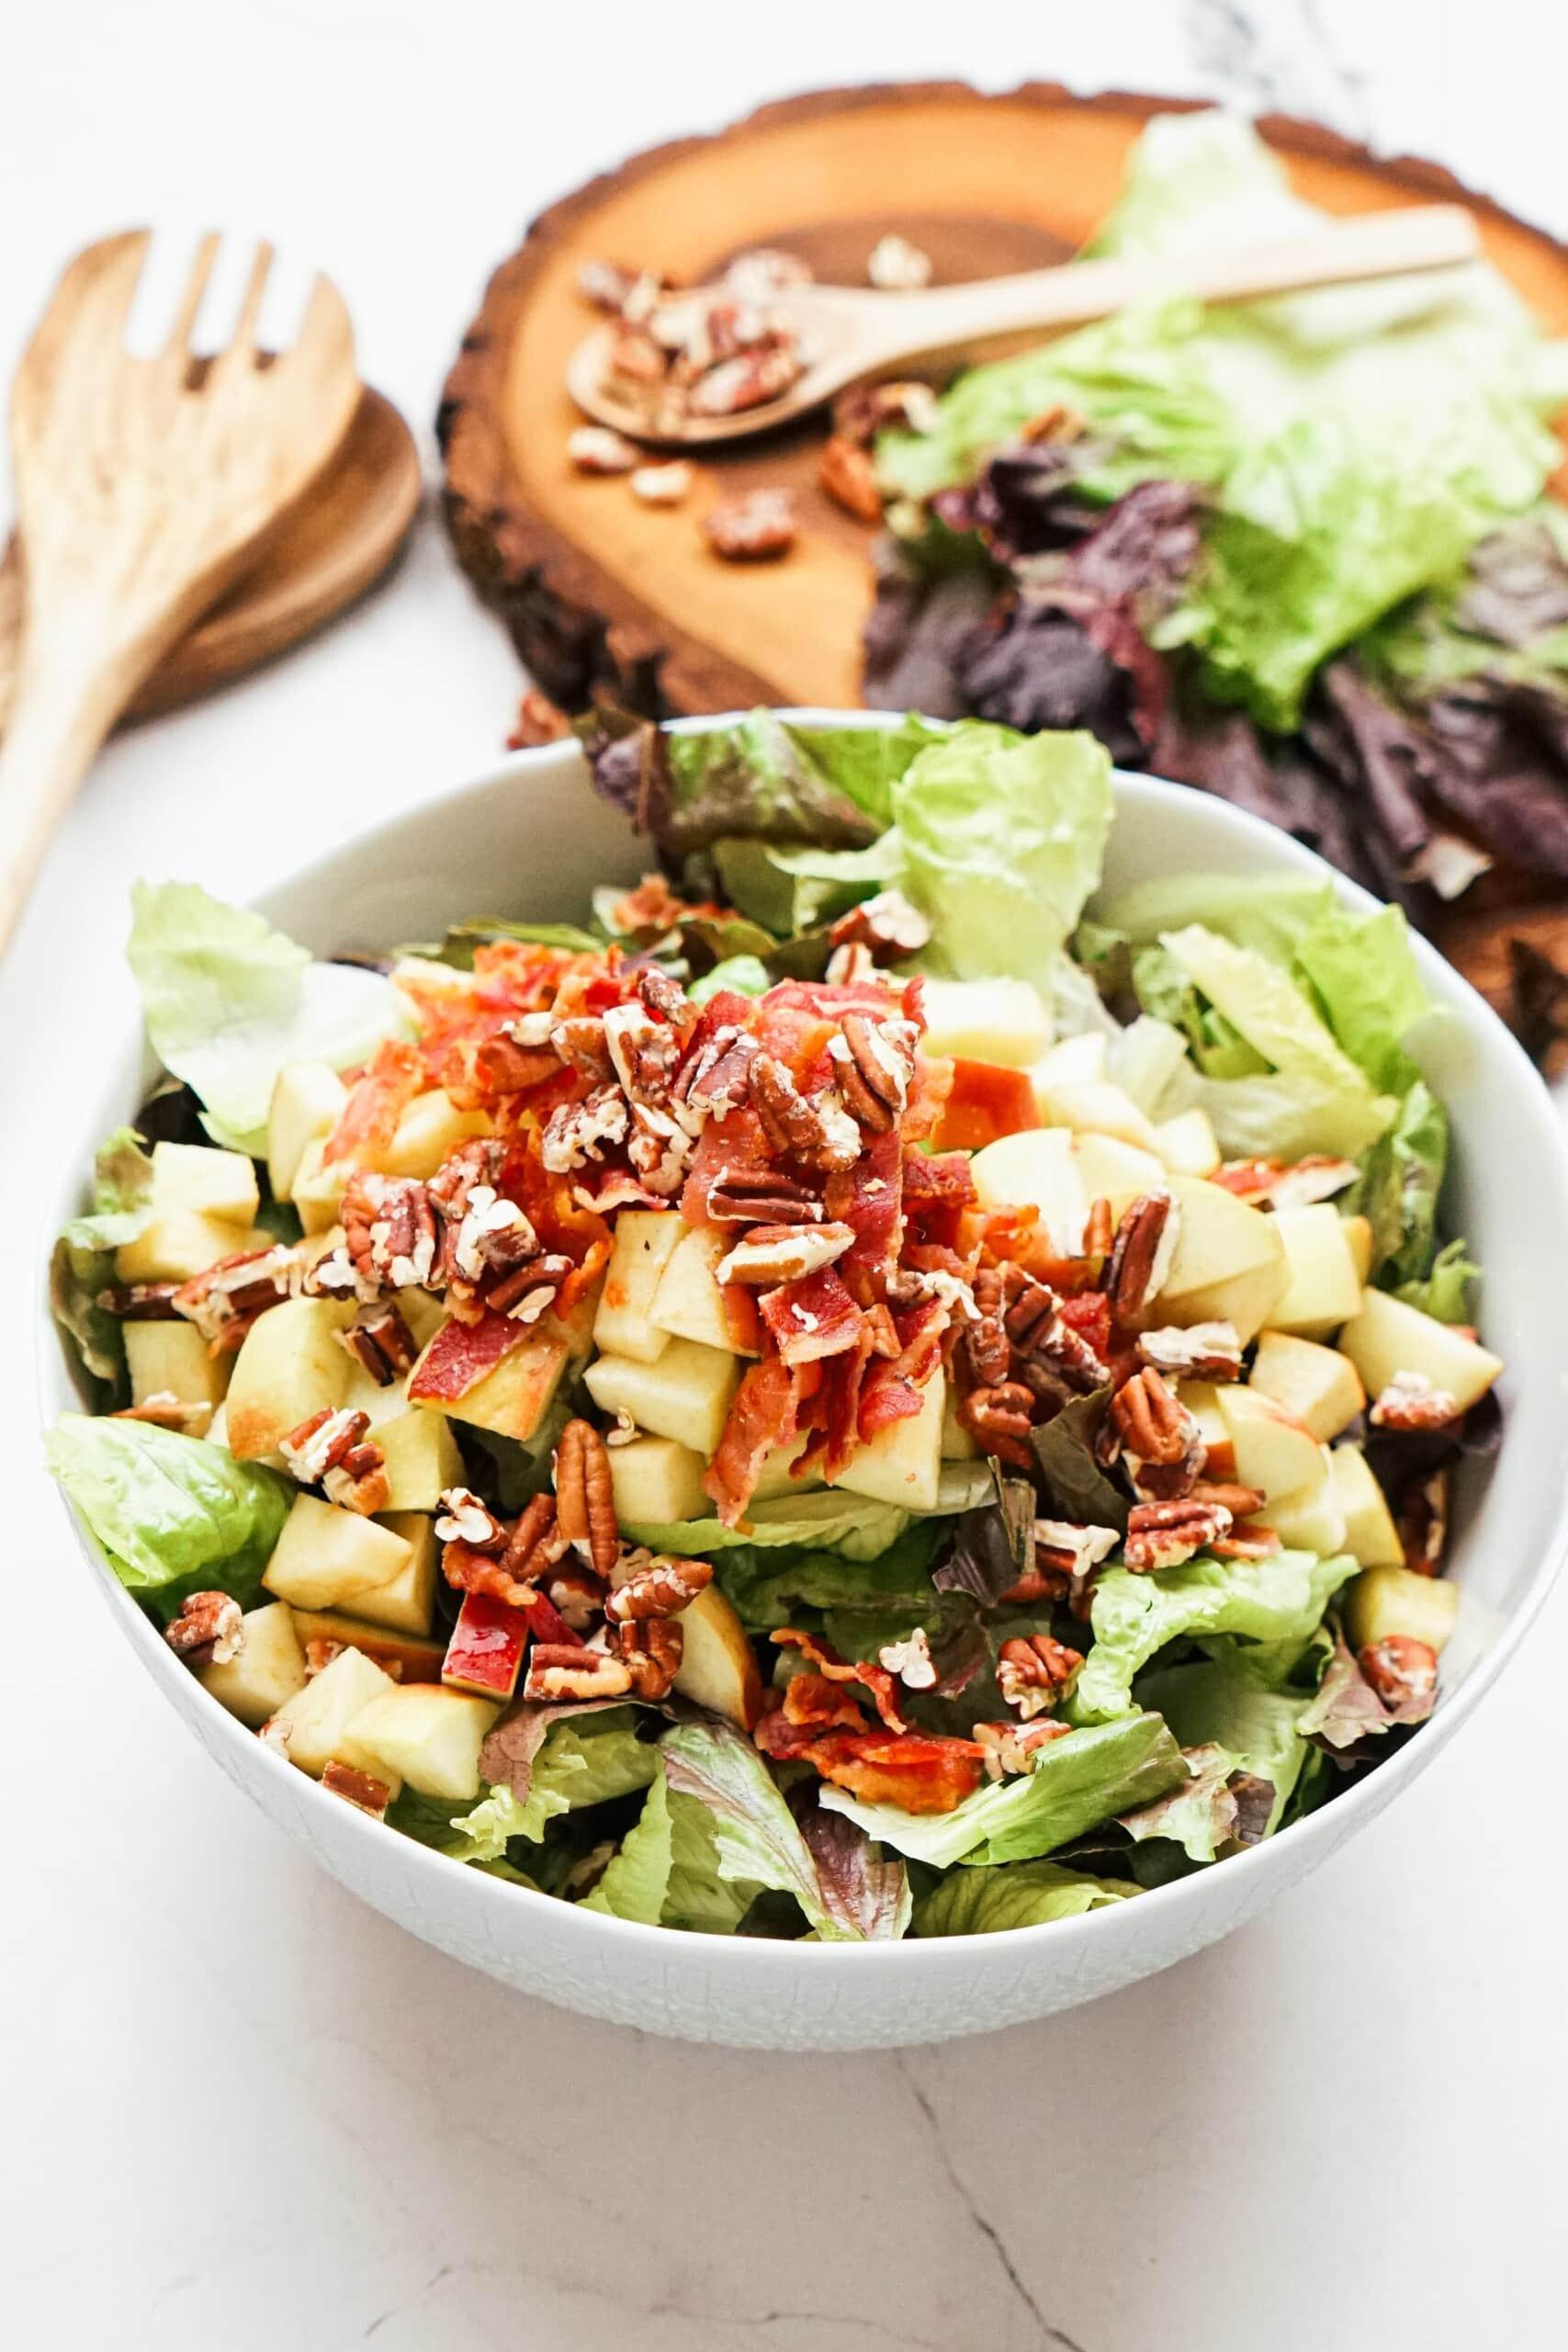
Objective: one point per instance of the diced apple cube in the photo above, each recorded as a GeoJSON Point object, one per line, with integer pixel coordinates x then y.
{"type": "Point", "coordinates": [988, 1021]}
{"type": "Point", "coordinates": [644, 1241]}
{"type": "Point", "coordinates": [690, 1303]}
{"type": "Point", "coordinates": [172, 1360]}
{"type": "Point", "coordinates": [406, 1602]}
{"type": "Point", "coordinates": [206, 1181]}
{"type": "Point", "coordinates": [1323, 1291]}
{"type": "Point", "coordinates": [429, 1735]}
{"type": "Point", "coordinates": [1112, 1171]}
{"type": "Point", "coordinates": [718, 1665]}
{"type": "Point", "coordinates": [513, 1398]}
{"type": "Point", "coordinates": [1091, 1106]}
{"type": "Point", "coordinates": [407, 1657]}
{"type": "Point", "coordinates": [268, 1671]}
{"type": "Point", "coordinates": [1187, 1143]}
{"type": "Point", "coordinates": [306, 1103]}
{"type": "Point", "coordinates": [319, 1186]}
{"type": "Point", "coordinates": [773, 1479]}
{"type": "Point", "coordinates": [1317, 1386]}
{"type": "Point", "coordinates": [1313, 1518]}
{"type": "Point", "coordinates": [1273, 1452]}
{"type": "Point", "coordinates": [175, 1244]}
{"type": "Point", "coordinates": [1038, 1171]}
{"type": "Point", "coordinates": [290, 1365]}
{"type": "Point", "coordinates": [1370, 1536]}
{"type": "Point", "coordinates": [428, 1132]}
{"type": "Point", "coordinates": [1388, 1599]}
{"type": "Point", "coordinates": [1229, 1265]}
{"type": "Point", "coordinates": [957, 1445]}
{"type": "Point", "coordinates": [1388, 1337]}
{"type": "Point", "coordinates": [1359, 1235]}
{"type": "Point", "coordinates": [485, 1651]}
{"type": "Point", "coordinates": [658, 1482]}
{"type": "Point", "coordinates": [686, 1395]}
{"type": "Point", "coordinates": [326, 1556]}
{"type": "Point", "coordinates": [1201, 1398]}
{"type": "Point", "coordinates": [314, 1720]}
{"type": "Point", "coordinates": [420, 1454]}
{"type": "Point", "coordinates": [902, 1463]}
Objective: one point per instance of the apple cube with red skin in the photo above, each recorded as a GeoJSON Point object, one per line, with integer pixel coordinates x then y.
{"type": "Point", "coordinates": [485, 1652]}
{"type": "Point", "coordinates": [407, 1657]}
{"type": "Point", "coordinates": [985, 1101]}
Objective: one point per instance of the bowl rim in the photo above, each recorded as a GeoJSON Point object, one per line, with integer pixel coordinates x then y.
{"type": "Point", "coordinates": [1308, 1841]}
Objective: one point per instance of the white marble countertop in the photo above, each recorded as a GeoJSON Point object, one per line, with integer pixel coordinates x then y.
{"type": "Point", "coordinates": [242, 2112]}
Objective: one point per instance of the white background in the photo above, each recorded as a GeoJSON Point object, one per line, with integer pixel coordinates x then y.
{"type": "Point", "coordinates": [237, 2111]}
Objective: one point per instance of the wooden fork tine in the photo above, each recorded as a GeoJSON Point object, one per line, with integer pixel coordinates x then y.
{"type": "Point", "coordinates": [178, 345]}
{"type": "Point", "coordinates": [250, 310]}
{"type": "Point", "coordinates": [325, 331]}
{"type": "Point", "coordinates": [104, 280]}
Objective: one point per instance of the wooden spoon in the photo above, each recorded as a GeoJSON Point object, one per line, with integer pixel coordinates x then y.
{"type": "Point", "coordinates": [143, 487]}
{"type": "Point", "coordinates": [331, 548]}
{"type": "Point", "coordinates": [846, 333]}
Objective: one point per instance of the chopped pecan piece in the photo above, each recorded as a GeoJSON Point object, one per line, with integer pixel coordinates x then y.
{"type": "Point", "coordinates": [896, 266]}
{"type": "Point", "coordinates": [597, 449]}
{"type": "Point", "coordinates": [580, 1043]}
{"type": "Point", "coordinates": [362, 1790]}
{"type": "Point", "coordinates": [659, 1149]}
{"type": "Point", "coordinates": [749, 524]}
{"type": "Point", "coordinates": [1246, 1543]}
{"type": "Point", "coordinates": [208, 1631]}
{"type": "Point", "coordinates": [911, 1660]}
{"type": "Point", "coordinates": [1402, 1670]}
{"type": "Point", "coordinates": [1159, 1441]}
{"type": "Point", "coordinates": [321, 1444]}
{"type": "Point", "coordinates": [1230, 1494]}
{"type": "Point", "coordinates": [320, 1651]}
{"type": "Point", "coordinates": [866, 410]}
{"type": "Point", "coordinates": [997, 1417]}
{"type": "Point", "coordinates": [886, 924]}
{"type": "Point", "coordinates": [464, 1519]}
{"type": "Point", "coordinates": [770, 1254]}
{"type": "Point", "coordinates": [575, 1594]}
{"type": "Point", "coordinates": [224, 1300]}
{"type": "Point", "coordinates": [741, 1194]}
{"type": "Point", "coordinates": [848, 476]}
{"type": "Point", "coordinates": [390, 1230]}
{"type": "Point", "coordinates": [662, 485]}
{"type": "Point", "coordinates": [140, 1301]}
{"type": "Point", "coordinates": [1201, 1352]}
{"type": "Point", "coordinates": [817, 1129]}
{"type": "Point", "coordinates": [1424, 1523]}
{"type": "Point", "coordinates": [1035, 1326]}
{"type": "Point", "coordinates": [557, 1671]}
{"type": "Point", "coordinates": [580, 1131]}
{"type": "Point", "coordinates": [908, 1286]}
{"type": "Point", "coordinates": [663, 1589]}
{"type": "Point", "coordinates": [540, 720]}
{"type": "Point", "coordinates": [359, 1482]}
{"type": "Point", "coordinates": [650, 1649]}
{"type": "Point", "coordinates": [752, 527]}
{"type": "Point", "coordinates": [485, 1234]}
{"type": "Point", "coordinates": [164, 1410]}
{"type": "Point", "coordinates": [1161, 1535]}
{"type": "Point", "coordinates": [1033, 1672]}
{"type": "Point", "coordinates": [850, 964]}
{"type": "Point", "coordinates": [1142, 1253]}
{"type": "Point", "coordinates": [524, 1295]}
{"type": "Point", "coordinates": [875, 1062]}
{"type": "Point", "coordinates": [1012, 1748]}
{"type": "Point", "coordinates": [537, 1540]}
{"type": "Point", "coordinates": [987, 1349]}
{"type": "Point", "coordinates": [1066, 1557]}
{"type": "Point", "coordinates": [713, 1078]}
{"type": "Point", "coordinates": [381, 1342]}
{"type": "Point", "coordinates": [585, 1505]}
{"type": "Point", "coordinates": [1411, 1402]}
{"type": "Point", "coordinates": [666, 997]}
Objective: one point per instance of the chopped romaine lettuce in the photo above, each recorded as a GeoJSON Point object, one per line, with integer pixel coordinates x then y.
{"type": "Point", "coordinates": [1013, 1895]}
{"type": "Point", "coordinates": [83, 1264]}
{"type": "Point", "coordinates": [1276, 1599]}
{"type": "Point", "coordinates": [172, 1514]}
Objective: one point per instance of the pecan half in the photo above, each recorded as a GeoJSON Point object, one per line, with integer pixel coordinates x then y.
{"type": "Point", "coordinates": [579, 1042]}
{"type": "Point", "coordinates": [661, 1589]}
{"type": "Point", "coordinates": [644, 1052]}
{"type": "Point", "coordinates": [1246, 1543]}
{"type": "Point", "coordinates": [362, 1790]}
{"type": "Point", "coordinates": [743, 1194]}
{"type": "Point", "coordinates": [1160, 1442]}
{"type": "Point", "coordinates": [754, 528]}
{"type": "Point", "coordinates": [1161, 1535]}
{"type": "Point", "coordinates": [1142, 1252]}
{"type": "Point", "coordinates": [208, 1631]}
{"type": "Point", "coordinates": [1066, 1557]}
{"type": "Point", "coordinates": [714, 1078]}
{"type": "Point", "coordinates": [1239, 1500]}
{"type": "Point", "coordinates": [390, 1230]}
{"type": "Point", "coordinates": [524, 1295]}
{"type": "Point", "coordinates": [585, 1505]}
{"type": "Point", "coordinates": [537, 1540]}
{"type": "Point", "coordinates": [557, 1671]}
{"type": "Point", "coordinates": [1035, 1325]}
{"type": "Point", "coordinates": [997, 1417]}
{"type": "Point", "coordinates": [1012, 1748]}
{"type": "Point", "coordinates": [875, 1062]}
{"type": "Point", "coordinates": [1033, 1672]}
{"type": "Point", "coordinates": [1201, 1352]}
{"type": "Point", "coordinates": [783, 1253]}
{"type": "Point", "coordinates": [649, 1650]}
{"type": "Point", "coordinates": [663, 485]}
{"type": "Point", "coordinates": [1411, 1402]}
{"type": "Point", "coordinates": [379, 1341]}
{"type": "Point", "coordinates": [1402, 1670]}
{"type": "Point", "coordinates": [848, 476]}
{"type": "Point", "coordinates": [816, 1129]}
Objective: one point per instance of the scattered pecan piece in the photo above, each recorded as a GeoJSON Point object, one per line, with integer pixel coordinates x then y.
{"type": "Point", "coordinates": [321, 1444]}
{"type": "Point", "coordinates": [1159, 1442]}
{"type": "Point", "coordinates": [1402, 1670]}
{"type": "Point", "coordinates": [320, 1651]}
{"type": "Point", "coordinates": [650, 1649]}
{"type": "Point", "coordinates": [1411, 1402]}
{"type": "Point", "coordinates": [1035, 1325]}
{"type": "Point", "coordinates": [539, 721]}
{"type": "Point", "coordinates": [558, 1671]}
{"type": "Point", "coordinates": [164, 1410]}
{"type": "Point", "coordinates": [874, 1061]}
{"type": "Point", "coordinates": [390, 1230]}
{"type": "Point", "coordinates": [748, 381]}
{"type": "Point", "coordinates": [662, 485]}
{"type": "Point", "coordinates": [362, 1790]}
{"type": "Point", "coordinates": [1066, 1557]}
{"type": "Point", "coordinates": [536, 1541]}
{"type": "Point", "coordinates": [208, 1631]}
{"type": "Point", "coordinates": [911, 1660]}
{"type": "Point", "coordinates": [1161, 1535]}
{"type": "Point", "coordinates": [896, 266]}
{"type": "Point", "coordinates": [814, 1128]}
{"type": "Point", "coordinates": [987, 1349]}
{"type": "Point", "coordinates": [848, 476]}
{"type": "Point", "coordinates": [224, 1300]}
{"type": "Point", "coordinates": [1012, 1748]}
{"type": "Point", "coordinates": [770, 1254]}
{"type": "Point", "coordinates": [1229, 1494]}
{"type": "Point", "coordinates": [866, 410]}
{"type": "Point", "coordinates": [661, 1589]}
{"type": "Point", "coordinates": [997, 1417]}
{"type": "Point", "coordinates": [597, 449]}
{"type": "Point", "coordinates": [886, 923]}
{"type": "Point", "coordinates": [577, 1132]}
{"type": "Point", "coordinates": [464, 1519]}
{"type": "Point", "coordinates": [140, 1301]}
{"type": "Point", "coordinates": [754, 528]}
{"type": "Point", "coordinates": [1246, 1543]}
{"type": "Point", "coordinates": [1142, 1253]}
{"type": "Point", "coordinates": [524, 1295]}
{"type": "Point", "coordinates": [359, 1482]}
{"type": "Point", "coordinates": [742, 1195]}
{"type": "Point", "coordinates": [1033, 1672]}
{"type": "Point", "coordinates": [1424, 1523]}
{"type": "Point", "coordinates": [575, 1594]}
{"type": "Point", "coordinates": [585, 1505]}
{"type": "Point", "coordinates": [713, 1078]}
{"type": "Point", "coordinates": [580, 1043]}
{"type": "Point", "coordinates": [381, 1342]}
{"type": "Point", "coordinates": [1201, 1352]}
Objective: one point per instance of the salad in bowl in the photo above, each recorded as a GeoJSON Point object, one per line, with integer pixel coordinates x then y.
{"type": "Point", "coordinates": [866, 1391]}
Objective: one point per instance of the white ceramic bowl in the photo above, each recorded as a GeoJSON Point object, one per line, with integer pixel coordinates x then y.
{"type": "Point", "coordinates": [530, 840]}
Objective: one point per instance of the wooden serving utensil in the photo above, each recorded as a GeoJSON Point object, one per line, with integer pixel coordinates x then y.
{"type": "Point", "coordinates": [328, 550]}
{"type": "Point", "coordinates": [845, 333]}
{"type": "Point", "coordinates": [143, 487]}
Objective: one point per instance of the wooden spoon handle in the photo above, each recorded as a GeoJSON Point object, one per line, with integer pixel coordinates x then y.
{"type": "Point", "coordinates": [1374, 244]}
{"type": "Point", "coordinates": [65, 705]}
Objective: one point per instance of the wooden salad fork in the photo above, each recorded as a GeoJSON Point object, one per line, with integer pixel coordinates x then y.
{"type": "Point", "coordinates": [143, 487]}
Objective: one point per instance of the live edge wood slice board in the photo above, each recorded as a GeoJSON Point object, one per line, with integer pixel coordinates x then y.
{"type": "Point", "coordinates": [603, 594]}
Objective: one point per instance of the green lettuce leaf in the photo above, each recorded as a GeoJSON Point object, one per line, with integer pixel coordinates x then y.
{"type": "Point", "coordinates": [756, 778]}
{"type": "Point", "coordinates": [436, 1822]}
{"type": "Point", "coordinates": [1199, 1814]}
{"type": "Point", "coordinates": [1444, 1293]}
{"type": "Point", "coordinates": [1401, 1178]}
{"type": "Point", "coordinates": [173, 1515]}
{"type": "Point", "coordinates": [83, 1263]}
{"type": "Point", "coordinates": [744, 974]}
{"type": "Point", "coordinates": [667, 1871]}
{"type": "Point", "coordinates": [1076, 1782]}
{"type": "Point", "coordinates": [769, 1588]}
{"type": "Point", "coordinates": [757, 1840]}
{"type": "Point", "coordinates": [1362, 969]}
{"type": "Point", "coordinates": [1279, 1599]}
{"type": "Point", "coordinates": [1015, 1895]}
{"type": "Point", "coordinates": [1216, 1701]}
{"type": "Point", "coordinates": [830, 1521]}
{"type": "Point", "coordinates": [585, 1760]}
{"type": "Point", "coordinates": [229, 1001]}
{"type": "Point", "coordinates": [458, 943]}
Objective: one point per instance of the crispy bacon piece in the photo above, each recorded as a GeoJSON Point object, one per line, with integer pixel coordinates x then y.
{"type": "Point", "coordinates": [462, 1354]}
{"type": "Point", "coordinates": [868, 1198]}
{"type": "Point", "coordinates": [765, 1414]}
{"type": "Point", "coordinates": [1090, 1315]}
{"type": "Point", "coordinates": [881, 1685]}
{"type": "Point", "coordinates": [921, 1773]}
{"type": "Point", "coordinates": [815, 1701]}
{"type": "Point", "coordinates": [813, 1318]}
{"type": "Point", "coordinates": [369, 1121]}
{"type": "Point", "coordinates": [937, 1189]}
{"type": "Point", "coordinates": [834, 1415]}
{"type": "Point", "coordinates": [737, 1140]}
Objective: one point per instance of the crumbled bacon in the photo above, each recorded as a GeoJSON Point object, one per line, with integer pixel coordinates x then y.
{"type": "Point", "coordinates": [764, 1415]}
{"type": "Point", "coordinates": [369, 1118]}
{"type": "Point", "coordinates": [813, 1318]}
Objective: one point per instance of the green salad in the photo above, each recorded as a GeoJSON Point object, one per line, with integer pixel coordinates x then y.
{"type": "Point", "coordinates": [862, 1387]}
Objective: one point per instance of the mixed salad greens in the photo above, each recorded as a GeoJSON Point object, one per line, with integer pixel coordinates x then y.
{"type": "Point", "coordinates": [865, 1391]}
{"type": "Point", "coordinates": [1297, 552]}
